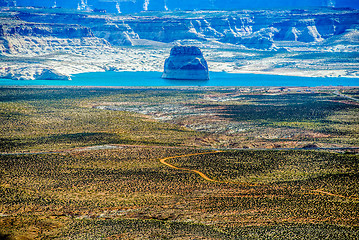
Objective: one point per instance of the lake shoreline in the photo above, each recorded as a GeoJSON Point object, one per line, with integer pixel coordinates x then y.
{"type": "Point", "coordinates": [217, 79]}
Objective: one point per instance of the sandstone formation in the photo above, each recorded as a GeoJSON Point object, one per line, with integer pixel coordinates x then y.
{"type": "Point", "coordinates": [30, 73]}
{"type": "Point", "coordinates": [71, 42]}
{"type": "Point", "coordinates": [186, 62]}
{"type": "Point", "coordinates": [255, 29]}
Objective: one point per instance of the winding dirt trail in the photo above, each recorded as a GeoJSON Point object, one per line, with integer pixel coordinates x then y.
{"type": "Point", "coordinates": [201, 174]}
{"type": "Point", "coordinates": [332, 194]}
{"type": "Point", "coordinates": [204, 176]}
{"type": "Point", "coordinates": [163, 161]}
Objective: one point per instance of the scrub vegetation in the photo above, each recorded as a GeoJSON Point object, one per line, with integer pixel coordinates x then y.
{"type": "Point", "coordinates": [70, 169]}
{"type": "Point", "coordinates": [43, 119]}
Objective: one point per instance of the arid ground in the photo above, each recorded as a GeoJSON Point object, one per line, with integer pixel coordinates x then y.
{"type": "Point", "coordinates": [179, 163]}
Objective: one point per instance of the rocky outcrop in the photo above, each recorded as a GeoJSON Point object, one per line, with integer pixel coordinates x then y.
{"type": "Point", "coordinates": [302, 30]}
{"type": "Point", "coordinates": [113, 30]}
{"type": "Point", "coordinates": [44, 30]}
{"type": "Point", "coordinates": [118, 34]}
{"type": "Point", "coordinates": [256, 41]}
{"type": "Point", "coordinates": [186, 62]}
{"type": "Point", "coordinates": [33, 73]}
{"type": "Point", "coordinates": [50, 74]}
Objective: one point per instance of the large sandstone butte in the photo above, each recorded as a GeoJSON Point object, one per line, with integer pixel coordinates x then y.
{"type": "Point", "coordinates": [186, 62]}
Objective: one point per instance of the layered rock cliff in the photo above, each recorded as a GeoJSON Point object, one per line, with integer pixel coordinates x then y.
{"type": "Point", "coordinates": [252, 29]}
{"type": "Point", "coordinates": [186, 62]}
{"type": "Point", "coordinates": [258, 29]}
{"type": "Point", "coordinates": [44, 38]}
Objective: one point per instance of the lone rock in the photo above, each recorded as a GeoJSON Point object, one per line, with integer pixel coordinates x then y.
{"type": "Point", "coordinates": [186, 62]}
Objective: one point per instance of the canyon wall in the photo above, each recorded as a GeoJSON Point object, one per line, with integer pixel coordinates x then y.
{"type": "Point", "coordinates": [258, 29]}
{"type": "Point", "coordinates": [44, 38]}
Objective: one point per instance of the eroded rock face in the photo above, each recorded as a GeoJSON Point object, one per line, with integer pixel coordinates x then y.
{"type": "Point", "coordinates": [78, 42]}
{"type": "Point", "coordinates": [186, 62]}
{"type": "Point", "coordinates": [33, 73]}
{"type": "Point", "coordinates": [255, 29]}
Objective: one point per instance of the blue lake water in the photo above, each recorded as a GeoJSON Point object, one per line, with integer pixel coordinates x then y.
{"type": "Point", "coordinates": [147, 79]}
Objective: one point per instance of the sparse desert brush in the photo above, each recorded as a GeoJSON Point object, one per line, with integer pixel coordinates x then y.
{"type": "Point", "coordinates": [72, 170]}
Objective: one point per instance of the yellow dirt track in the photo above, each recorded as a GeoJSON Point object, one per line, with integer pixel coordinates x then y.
{"type": "Point", "coordinates": [204, 176]}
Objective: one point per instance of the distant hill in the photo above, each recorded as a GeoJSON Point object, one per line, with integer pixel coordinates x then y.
{"type": "Point", "coordinates": [132, 6]}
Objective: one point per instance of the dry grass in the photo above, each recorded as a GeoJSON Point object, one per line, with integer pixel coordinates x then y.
{"type": "Point", "coordinates": [124, 192]}
{"type": "Point", "coordinates": [68, 194]}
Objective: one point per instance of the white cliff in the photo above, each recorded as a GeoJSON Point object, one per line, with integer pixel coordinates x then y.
{"type": "Point", "coordinates": [317, 42]}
